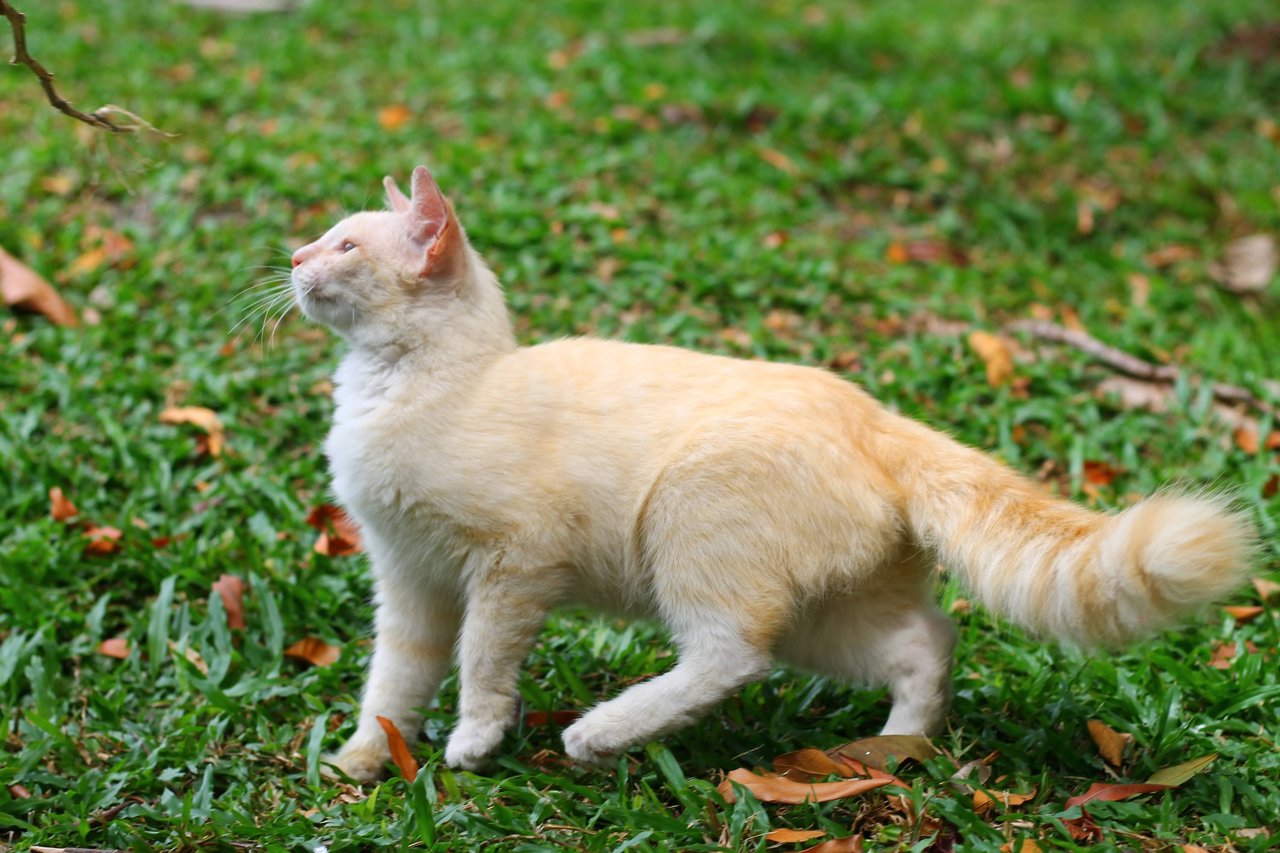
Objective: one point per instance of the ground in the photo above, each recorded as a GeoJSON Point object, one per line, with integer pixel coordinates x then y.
{"type": "Point", "coordinates": [853, 185]}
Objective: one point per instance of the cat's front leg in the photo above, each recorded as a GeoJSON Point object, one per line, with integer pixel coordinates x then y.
{"type": "Point", "coordinates": [415, 631]}
{"type": "Point", "coordinates": [505, 611]}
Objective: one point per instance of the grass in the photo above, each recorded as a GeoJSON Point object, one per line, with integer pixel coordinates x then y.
{"type": "Point", "coordinates": [702, 174]}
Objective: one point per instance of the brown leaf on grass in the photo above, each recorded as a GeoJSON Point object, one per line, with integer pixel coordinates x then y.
{"type": "Point", "coordinates": [204, 419]}
{"type": "Point", "coordinates": [60, 506]}
{"type": "Point", "coordinates": [808, 764]}
{"type": "Point", "coordinates": [1099, 473]}
{"type": "Point", "coordinates": [314, 651]}
{"type": "Point", "coordinates": [925, 252]}
{"type": "Point", "coordinates": [1268, 591]}
{"type": "Point", "coordinates": [1224, 652]}
{"type": "Point", "coordinates": [102, 540]}
{"type": "Point", "coordinates": [1023, 845]}
{"type": "Point", "coordinates": [394, 117]}
{"type": "Point", "coordinates": [23, 290]}
{"type": "Point", "coordinates": [19, 792]}
{"type": "Point", "coordinates": [1248, 264]}
{"type": "Point", "coordinates": [1110, 792]}
{"type": "Point", "coordinates": [193, 657]}
{"type": "Point", "coordinates": [550, 718]}
{"type": "Point", "coordinates": [985, 800]}
{"type": "Point", "coordinates": [778, 160]}
{"type": "Point", "coordinates": [995, 354]}
{"type": "Point", "coordinates": [1192, 848]}
{"type": "Point", "coordinates": [404, 760]}
{"type": "Point", "coordinates": [339, 535]}
{"type": "Point", "coordinates": [1111, 743]}
{"type": "Point", "coordinates": [115, 647]}
{"type": "Point", "coordinates": [776, 789]}
{"type": "Point", "coordinates": [849, 844]}
{"type": "Point", "coordinates": [1271, 488]}
{"type": "Point", "coordinates": [875, 752]}
{"type": "Point", "coordinates": [231, 588]}
{"type": "Point", "coordinates": [1165, 256]}
{"type": "Point", "coordinates": [787, 836]}
{"type": "Point", "coordinates": [1244, 613]}
{"type": "Point", "coordinates": [1246, 437]}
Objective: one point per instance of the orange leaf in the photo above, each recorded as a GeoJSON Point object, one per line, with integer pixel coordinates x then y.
{"type": "Point", "coordinates": [1267, 590]}
{"type": "Point", "coordinates": [22, 289]}
{"type": "Point", "coordinates": [1245, 613]}
{"type": "Point", "coordinates": [926, 252]}
{"type": "Point", "coordinates": [314, 651]}
{"type": "Point", "coordinates": [394, 117]}
{"type": "Point", "coordinates": [231, 588]}
{"type": "Point", "coordinates": [550, 718]}
{"type": "Point", "coordinates": [1099, 473]}
{"type": "Point", "coordinates": [19, 792]}
{"type": "Point", "coordinates": [1224, 652]}
{"type": "Point", "coordinates": [198, 416]}
{"type": "Point", "coordinates": [1026, 845]}
{"type": "Point", "coordinates": [116, 647]}
{"type": "Point", "coordinates": [60, 506]}
{"type": "Point", "coordinates": [102, 540]}
{"type": "Point", "coordinates": [404, 760]}
{"type": "Point", "coordinates": [807, 764]}
{"type": "Point", "coordinates": [984, 800]}
{"type": "Point", "coordinates": [1111, 743]}
{"type": "Point", "coordinates": [790, 835]}
{"type": "Point", "coordinates": [995, 354]}
{"type": "Point", "coordinates": [778, 160]}
{"type": "Point", "coordinates": [1170, 254]}
{"type": "Point", "coordinates": [1108, 792]}
{"type": "Point", "coordinates": [776, 789]}
{"type": "Point", "coordinates": [339, 535]}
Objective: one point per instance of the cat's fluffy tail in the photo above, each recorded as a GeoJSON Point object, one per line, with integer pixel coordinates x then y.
{"type": "Point", "coordinates": [1061, 570]}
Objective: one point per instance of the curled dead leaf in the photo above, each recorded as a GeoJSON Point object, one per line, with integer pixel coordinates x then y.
{"type": "Point", "coordinates": [1224, 652]}
{"type": "Point", "coordinates": [102, 540]}
{"type": "Point", "coordinates": [995, 354]}
{"type": "Point", "coordinates": [314, 651]}
{"type": "Point", "coordinates": [1268, 591]}
{"type": "Point", "coordinates": [1022, 845]}
{"type": "Point", "coordinates": [925, 252]}
{"type": "Point", "coordinates": [1244, 613]}
{"type": "Point", "coordinates": [777, 789]}
{"type": "Point", "coordinates": [804, 765]}
{"type": "Point", "coordinates": [60, 506]}
{"type": "Point", "coordinates": [875, 752]}
{"type": "Point", "coordinates": [849, 844]}
{"type": "Point", "coordinates": [984, 800]}
{"type": "Point", "coordinates": [1110, 792]}
{"type": "Point", "coordinates": [339, 535]}
{"type": "Point", "coordinates": [231, 588]}
{"type": "Point", "coordinates": [404, 760]}
{"type": "Point", "coordinates": [201, 417]}
{"type": "Point", "coordinates": [788, 836]}
{"type": "Point", "coordinates": [778, 160]}
{"type": "Point", "coordinates": [116, 647]}
{"type": "Point", "coordinates": [23, 290]}
{"type": "Point", "coordinates": [1111, 743]}
{"type": "Point", "coordinates": [394, 117]}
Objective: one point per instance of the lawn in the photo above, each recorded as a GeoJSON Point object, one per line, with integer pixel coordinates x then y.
{"type": "Point", "coordinates": [854, 185]}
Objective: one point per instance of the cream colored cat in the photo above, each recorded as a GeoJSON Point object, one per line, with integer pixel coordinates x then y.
{"type": "Point", "coordinates": [761, 511]}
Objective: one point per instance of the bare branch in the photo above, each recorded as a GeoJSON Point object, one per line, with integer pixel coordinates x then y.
{"type": "Point", "coordinates": [17, 22]}
{"type": "Point", "coordinates": [1131, 364]}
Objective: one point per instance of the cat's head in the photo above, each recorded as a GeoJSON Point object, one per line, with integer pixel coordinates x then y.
{"type": "Point", "coordinates": [378, 272]}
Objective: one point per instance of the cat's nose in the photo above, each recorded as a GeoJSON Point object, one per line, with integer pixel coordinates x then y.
{"type": "Point", "coordinates": [297, 257]}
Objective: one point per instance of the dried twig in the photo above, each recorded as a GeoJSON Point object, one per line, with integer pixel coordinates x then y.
{"type": "Point", "coordinates": [1131, 364]}
{"type": "Point", "coordinates": [98, 118]}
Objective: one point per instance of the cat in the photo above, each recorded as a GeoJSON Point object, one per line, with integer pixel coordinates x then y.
{"type": "Point", "coordinates": [762, 512]}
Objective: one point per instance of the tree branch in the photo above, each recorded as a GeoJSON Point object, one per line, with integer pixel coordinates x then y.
{"type": "Point", "coordinates": [17, 22]}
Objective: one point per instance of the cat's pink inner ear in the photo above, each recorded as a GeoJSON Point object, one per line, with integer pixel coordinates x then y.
{"type": "Point", "coordinates": [395, 198]}
{"type": "Point", "coordinates": [428, 211]}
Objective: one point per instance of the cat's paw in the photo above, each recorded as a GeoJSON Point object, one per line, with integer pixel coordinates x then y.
{"type": "Point", "coordinates": [471, 744]}
{"type": "Point", "coordinates": [364, 762]}
{"type": "Point", "coordinates": [593, 742]}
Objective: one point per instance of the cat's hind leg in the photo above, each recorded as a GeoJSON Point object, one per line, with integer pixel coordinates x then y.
{"type": "Point", "coordinates": [892, 638]}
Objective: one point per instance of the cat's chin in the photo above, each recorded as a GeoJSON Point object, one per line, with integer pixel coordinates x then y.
{"type": "Point", "coordinates": [326, 311]}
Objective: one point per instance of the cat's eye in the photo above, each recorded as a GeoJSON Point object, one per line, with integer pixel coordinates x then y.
{"type": "Point", "coordinates": [347, 245]}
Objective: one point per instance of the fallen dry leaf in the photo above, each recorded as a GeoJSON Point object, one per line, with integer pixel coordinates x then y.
{"type": "Point", "coordinates": [778, 160]}
{"type": "Point", "coordinates": [787, 836]}
{"type": "Point", "coordinates": [850, 844]}
{"type": "Point", "coordinates": [1268, 591]}
{"type": "Point", "coordinates": [102, 540]}
{"type": "Point", "coordinates": [394, 117]}
{"type": "Point", "coordinates": [314, 651]}
{"type": "Point", "coordinates": [193, 657]}
{"type": "Point", "coordinates": [60, 506]}
{"type": "Point", "coordinates": [1244, 613]}
{"type": "Point", "coordinates": [1248, 264]}
{"type": "Point", "coordinates": [116, 647]}
{"type": "Point", "coordinates": [776, 789]}
{"type": "Point", "coordinates": [550, 718]}
{"type": "Point", "coordinates": [404, 760]}
{"type": "Point", "coordinates": [1224, 652]}
{"type": "Point", "coordinates": [806, 765]}
{"type": "Point", "coordinates": [339, 535]}
{"type": "Point", "coordinates": [1179, 773]}
{"type": "Point", "coordinates": [1110, 792]}
{"type": "Point", "coordinates": [875, 752]}
{"type": "Point", "coordinates": [1099, 473]}
{"type": "Point", "coordinates": [23, 290]}
{"type": "Point", "coordinates": [925, 252]}
{"type": "Point", "coordinates": [995, 354]}
{"type": "Point", "coordinates": [985, 800]}
{"type": "Point", "coordinates": [19, 792]}
{"type": "Point", "coordinates": [198, 416]}
{"type": "Point", "coordinates": [1111, 743]}
{"type": "Point", "coordinates": [1247, 440]}
{"type": "Point", "coordinates": [231, 588]}
{"type": "Point", "coordinates": [1168, 255]}
{"type": "Point", "coordinates": [1024, 845]}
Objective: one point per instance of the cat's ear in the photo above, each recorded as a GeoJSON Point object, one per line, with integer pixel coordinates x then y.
{"type": "Point", "coordinates": [395, 198]}
{"type": "Point", "coordinates": [433, 226]}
